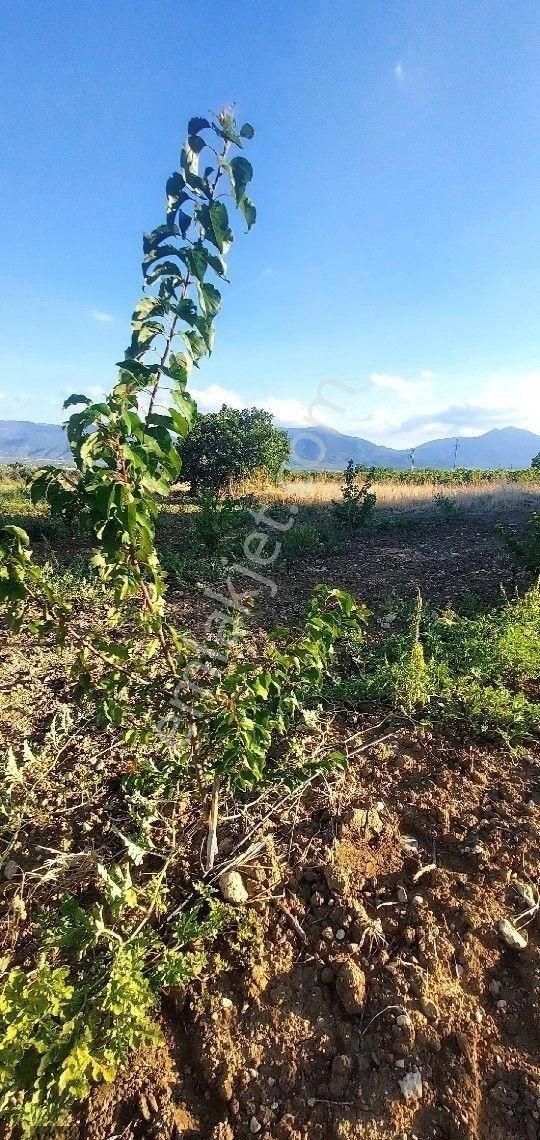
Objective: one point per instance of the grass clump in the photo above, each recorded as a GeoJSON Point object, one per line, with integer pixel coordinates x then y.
{"type": "Point", "coordinates": [455, 667]}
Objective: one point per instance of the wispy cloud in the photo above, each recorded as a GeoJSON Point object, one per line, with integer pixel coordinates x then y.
{"type": "Point", "coordinates": [405, 389]}
{"type": "Point", "coordinates": [399, 72]}
{"type": "Point", "coordinates": [211, 398]}
{"type": "Point", "coordinates": [99, 315]}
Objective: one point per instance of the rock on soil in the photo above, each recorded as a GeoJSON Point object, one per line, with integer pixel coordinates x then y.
{"type": "Point", "coordinates": [351, 987]}
{"type": "Point", "coordinates": [411, 1085]}
{"type": "Point", "coordinates": [231, 885]}
{"type": "Point", "coordinates": [513, 938]}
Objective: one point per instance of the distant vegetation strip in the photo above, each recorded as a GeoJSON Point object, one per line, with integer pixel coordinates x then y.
{"type": "Point", "coordinates": [461, 476]}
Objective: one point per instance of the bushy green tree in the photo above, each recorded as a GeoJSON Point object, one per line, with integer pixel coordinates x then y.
{"type": "Point", "coordinates": [536, 461]}
{"type": "Point", "coordinates": [230, 444]}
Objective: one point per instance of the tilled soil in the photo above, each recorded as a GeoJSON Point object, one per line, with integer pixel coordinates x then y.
{"type": "Point", "coordinates": [369, 992]}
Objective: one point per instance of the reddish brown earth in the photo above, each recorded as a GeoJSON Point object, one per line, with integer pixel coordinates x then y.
{"type": "Point", "coordinates": [371, 951]}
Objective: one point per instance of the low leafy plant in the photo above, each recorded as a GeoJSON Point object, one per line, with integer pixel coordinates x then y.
{"type": "Point", "coordinates": [446, 507]}
{"type": "Point", "coordinates": [219, 524]}
{"type": "Point", "coordinates": [455, 667]}
{"type": "Point", "coordinates": [303, 538]}
{"type": "Point", "coordinates": [91, 999]}
{"type": "Point", "coordinates": [358, 500]}
{"type": "Point", "coordinates": [526, 549]}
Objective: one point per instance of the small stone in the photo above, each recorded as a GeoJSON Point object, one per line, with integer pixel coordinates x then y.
{"type": "Point", "coordinates": [525, 892]}
{"type": "Point", "coordinates": [403, 1020]}
{"type": "Point", "coordinates": [327, 934]}
{"type": "Point", "coordinates": [479, 1017]}
{"type": "Point", "coordinates": [402, 894]}
{"type": "Point", "coordinates": [231, 885]}
{"type": "Point", "coordinates": [311, 1102]}
{"type": "Point", "coordinates": [340, 935]}
{"type": "Point", "coordinates": [254, 1125]}
{"type": "Point", "coordinates": [430, 1009]}
{"type": "Point", "coordinates": [11, 869]}
{"type": "Point", "coordinates": [351, 987]}
{"type": "Point", "coordinates": [502, 1004]}
{"type": "Point", "coordinates": [411, 1085]}
{"type": "Point", "coordinates": [400, 1064]}
{"type": "Point", "coordinates": [513, 938]}
{"type": "Point", "coordinates": [367, 822]}
{"type": "Point", "coordinates": [226, 1003]}
{"type": "Point", "coordinates": [418, 900]}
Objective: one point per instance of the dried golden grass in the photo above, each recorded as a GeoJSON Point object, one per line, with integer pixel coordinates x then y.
{"type": "Point", "coordinates": [501, 497]}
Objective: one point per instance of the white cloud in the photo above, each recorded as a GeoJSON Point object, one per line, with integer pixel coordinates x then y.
{"type": "Point", "coordinates": [209, 399]}
{"type": "Point", "coordinates": [405, 389]}
{"type": "Point", "coordinates": [99, 315]}
{"type": "Point", "coordinates": [399, 72]}
{"type": "Point", "coordinates": [287, 410]}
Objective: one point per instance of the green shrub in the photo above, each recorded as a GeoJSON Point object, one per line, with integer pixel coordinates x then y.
{"type": "Point", "coordinates": [449, 666]}
{"type": "Point", "coordinates": [227, 446]}
{"type": "Point", "coordinates": [302, 538]}
{"type": "Point", "coordinates": [526, 549]}
{"type": "Point", "coordinates": [358, 500]}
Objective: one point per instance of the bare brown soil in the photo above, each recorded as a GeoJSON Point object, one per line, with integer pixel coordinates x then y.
{"type": "Point", "coordinates": [372, 952]}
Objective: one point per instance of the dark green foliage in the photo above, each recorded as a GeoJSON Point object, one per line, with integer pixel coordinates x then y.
{"type": "Point", "coordinates": [420, 476]}
{"type": "Point", "coordinates": [446, 507]}
{"type": "Point", "coordinates": [527, 548]}
{"type": "Point", "coordinates": [450, 666]}
{"type": "Point", "coordinates": [255, 704]}
{"type": "Point", "coordinates": [536, 462]}
{"type": "Point", "coordinates": [229, 445]}
{"type": "Point", "coordinates": [303, 538]}
{"type": "Point", "coordinates": [358, 500]}
{"type": "Point", "coordinates": [219, 524]}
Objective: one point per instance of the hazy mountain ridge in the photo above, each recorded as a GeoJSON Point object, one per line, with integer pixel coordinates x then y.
{"type": "Point", "coordinates": [321, 448]}
{"type": "Point", "coordinates": [318, 448]}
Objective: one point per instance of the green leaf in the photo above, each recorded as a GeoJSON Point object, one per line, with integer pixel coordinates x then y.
{"type": "Point", "coordinates": [195, 125]}
{"type": "Point", "coordinates": [76, 399]}
{"type": "Point", "coordinates": [210, 298]}
{"type": "Point", "coordinates": [248, 209]}
{"type": "Point", "coordinates": [185, 309]}
{"type": "Point", "coordinates": [215, 222]}
{"type": "Point", "coordinates": [241, 174]}
{"type": "Point", "coordinates": [227, 128]}
{"type": "Point", "coordinates": [196, 259]}
{"type": "Point", "coordinates": [247, 131]}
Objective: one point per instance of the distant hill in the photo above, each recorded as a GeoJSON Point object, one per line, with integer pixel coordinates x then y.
{"type": "Point", "coordinates": [322, 447]}
{"type": "Point", "coordinates": [318, 448]}
{"type": "Point", "coordinates": [23, 440]}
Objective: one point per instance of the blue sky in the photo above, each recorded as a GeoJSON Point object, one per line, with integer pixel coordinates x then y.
{"type": "Point", "coordinates": [397, 170]}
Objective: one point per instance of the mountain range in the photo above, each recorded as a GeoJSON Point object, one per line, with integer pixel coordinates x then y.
{"type": "Point", "coordinates": [324, 448]}
{"type": "Point", "coordinates": [315, 448]}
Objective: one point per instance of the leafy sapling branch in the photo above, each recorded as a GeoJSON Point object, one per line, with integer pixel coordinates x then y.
{"type": "Point", "coordinates": [124, 447]}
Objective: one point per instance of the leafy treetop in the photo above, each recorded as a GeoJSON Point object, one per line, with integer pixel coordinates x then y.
{"type": "Point", "coordinates": [229, 445]}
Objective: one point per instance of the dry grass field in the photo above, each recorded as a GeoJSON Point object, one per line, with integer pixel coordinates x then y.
{"type": "Point", "coordinates": [503, 497]}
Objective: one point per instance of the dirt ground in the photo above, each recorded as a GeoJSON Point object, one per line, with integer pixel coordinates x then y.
{"type": "Point", "coordinates": [371, 994]}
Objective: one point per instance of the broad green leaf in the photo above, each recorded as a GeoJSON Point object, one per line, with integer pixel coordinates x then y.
{"type": "Point", "coordinates": [196, 124]}
{"type": "Point", "coordinates": [248, 209]}
{"type": "Point", "coordinates": [210, 298]}
{"type": "Point", "coordinates": [241, 175]}
{"type": "Point", "coordinates": [227, 129]}
{"type": "Point", "coordinates": [76, 398]}
{"type": "Point", "coordinates": [247, 131]}
{"type": "Point", "coordinates": [215, 222]}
